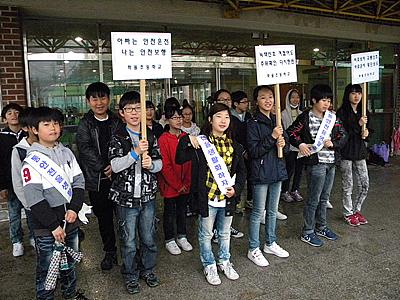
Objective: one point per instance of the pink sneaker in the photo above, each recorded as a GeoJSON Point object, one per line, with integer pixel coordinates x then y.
{"type": "Point", "coordinates": [361, 219]}
{"type": "Point", "coordinates": [352, 220]}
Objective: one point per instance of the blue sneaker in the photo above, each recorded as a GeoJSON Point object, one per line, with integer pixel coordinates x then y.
{"type": "Point", "coordinates": [311, 239]}
{"type": "Point", "coordinates": [327, 233]}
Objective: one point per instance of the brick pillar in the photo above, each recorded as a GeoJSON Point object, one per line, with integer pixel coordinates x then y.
{"type": "Point", "coordinates": [12, 73]}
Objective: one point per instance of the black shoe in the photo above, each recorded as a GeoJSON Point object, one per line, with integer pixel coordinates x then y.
{"type": "Point", "coordinates": [151, 279]}
{"type": "Point", "coordinates": [109, 259]}
{"type": "Point", "coordinates": [79, 295]}
{"type": "Point", "coordinates": [133, 287]}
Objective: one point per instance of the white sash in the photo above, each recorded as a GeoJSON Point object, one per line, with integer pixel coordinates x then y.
{"type": "Point", "coordinates": [56, 176]}
{"type": "Point", "coordinates": [216, 164]}
{"type": "Point", "coordinates": [323, 133]}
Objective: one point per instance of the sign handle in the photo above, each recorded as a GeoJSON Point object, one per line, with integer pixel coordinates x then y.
{"type": "Point", "coordinates": [278, 114]}
{"type": "Point", "coordinates": [364, 104]}
{"type": "Point", "coordinates": [143, 125]}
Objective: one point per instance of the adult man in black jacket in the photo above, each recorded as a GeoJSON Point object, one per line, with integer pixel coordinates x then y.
{"type": "Point", "coordinates": [93, 136]}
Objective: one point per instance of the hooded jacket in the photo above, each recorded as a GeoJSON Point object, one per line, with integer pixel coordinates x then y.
{"type": "Point", "coordinates": [192, 130]}
{"type": "Point", "coordinates": [199, 200]}
{"type": "Point", "coordinates": [16, 167]}
{"type": "Point", "coordinates": [47, 204]}
{"type": "Point", "coordinates": [87, 141]}
{"type": "Point", "coordinates": [287, 118]}
{"type": "Point", "coordinates": [266, 167]}
{"type": "Point", "coordinates": [299, 132]}
{"type": "Point", "coordinates": [172, 176]}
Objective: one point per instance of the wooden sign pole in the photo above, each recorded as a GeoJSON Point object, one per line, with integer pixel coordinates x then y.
{"type": "Point", "coordinates": [364, 104]}
{"type": "Point", "coordinates": [143, 125]}
{"type": "Point", "coordinates": [278, 114]}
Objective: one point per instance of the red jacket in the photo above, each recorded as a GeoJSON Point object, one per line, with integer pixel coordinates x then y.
{"type": "Point", "coordinates": [172, 176]}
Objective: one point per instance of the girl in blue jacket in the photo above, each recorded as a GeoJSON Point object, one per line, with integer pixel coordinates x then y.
{"type": "Point", "coordinates": [267, 173]}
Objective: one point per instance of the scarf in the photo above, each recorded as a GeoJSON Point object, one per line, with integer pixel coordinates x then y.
{"type": "Point", "coordinates": [224, 148]}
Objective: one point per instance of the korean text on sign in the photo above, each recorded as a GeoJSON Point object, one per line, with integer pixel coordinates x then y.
{"type": "Point", "coordinates": [365, 67]}
{"type": "Point", "coordinates": [276, 64]}
{"type": "Point", "coordinates": [141, 55]}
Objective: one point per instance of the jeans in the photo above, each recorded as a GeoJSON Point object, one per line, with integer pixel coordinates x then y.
{"type": "Point", "coordinates": [14, 214]}
{"type": "Point", "coordinates": [175, 213]}
{"type": "Point", "coordinates": [139, 219]}
{"type": "Point", "coordinates": [217, 215]}
{"type": "Point", "coordinates": [266, 197]}
{"type": "Point", "coordinates": [360, 170]}
{"type": "Point", "coordinates": [294, 167]}
{"type": "Point", "coordinates": [44, 250]}
{"type": "Point", "coordinates": [103, 208]}
{"type": "Point", "coordinates": [320, 181]}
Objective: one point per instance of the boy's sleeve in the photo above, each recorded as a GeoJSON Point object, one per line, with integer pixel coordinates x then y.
{"type": "Point", "coordinates": [119, 161]}
{"type": "Point", "coordinates": [256, 146]}
{"type": "Point", "coordinates": [78, 187]}
{"type": "Point", "coordinates": [16, 166]}
{"type": "Point", "coordinates": [33, 191]}
{"type": "Point", "coordinates": [294, 132]}
{"type": "Point", "coordinates": [156, 157]}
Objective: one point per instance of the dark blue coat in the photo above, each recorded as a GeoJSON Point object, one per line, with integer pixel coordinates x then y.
{"type": "Point", "coordinates": [266, 167]}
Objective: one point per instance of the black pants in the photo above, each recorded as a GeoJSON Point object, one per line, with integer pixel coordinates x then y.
{"type": "Point", "coordinates": [103, 209]}
{"type": "Point", "coordinates": [294, 167]}
{"type": "Point", "coordinates": [175, 212]}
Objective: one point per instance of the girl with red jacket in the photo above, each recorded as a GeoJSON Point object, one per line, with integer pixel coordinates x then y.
{"type": "Point", "coordinates": [174, 184]}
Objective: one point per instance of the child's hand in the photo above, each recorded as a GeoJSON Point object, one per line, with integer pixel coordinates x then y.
{"type": "Point", "coordinates": [194, 142]}
{"type": "Point", "coordinates": [365, 133]}
{"type": "Point", "coordinates": [4, 195]}
{"type": "Point", "coordinates": [183, 190]}
{"type": "Point", "coordinates": [70, 216]}
{"type": "Point", "coordinates": [328, 144]}
{"type": "Point", "coordinates": [304, 149]}
{"type": "Point", "coordinates": [277, 132]}
{"type": "Point", "coordinates": [146, 161]}
{"type": "Point", "coordinates": [281, 141]}
{"type": "Point", "coordinates": [230, 192]}
{"type": "Point", "coordinates": [142, 147]}
{"type": "Point", "coordinates": [363, 120]}
{"type": "Point", "coordinates": [108, 171]}
{"type": "Point", "coordinates": [59, 234]}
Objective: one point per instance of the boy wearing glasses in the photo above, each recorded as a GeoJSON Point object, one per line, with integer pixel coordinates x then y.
{"type": "Point", "coordinates": [135, 163]}
{"type": "Point", "coordinates": [92, 138]}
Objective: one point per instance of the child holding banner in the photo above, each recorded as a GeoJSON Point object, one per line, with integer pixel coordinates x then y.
{"type": "Point", "coordinates": [318, 134]}
{"type": "Point", "coordinates": [174, 181]}
{"type": "Point", "coordinates": [354, 154]}
{"type": "Point", "coordinates": [133, 189]}
{"type": "Point", "coordinates": [53, 185]}
{"type": "Point", "coordinates": [215, 158]}
{"type": "Point", "coordinates": [267, 173]}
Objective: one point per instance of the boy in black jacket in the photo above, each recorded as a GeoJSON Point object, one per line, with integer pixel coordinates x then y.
{"type": "Point", "coordinates": [318, 134]}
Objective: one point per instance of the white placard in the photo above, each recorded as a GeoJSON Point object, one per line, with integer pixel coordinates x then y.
{"type": "Point", "coordinates": [364, 67]}
{"type": "Point", "coordinates": [141, 55]}
{"type": "Point", "coordinates": [276, 64]}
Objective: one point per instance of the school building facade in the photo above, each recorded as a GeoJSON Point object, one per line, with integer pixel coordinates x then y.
{"type": "Point", "coordinates": [50, 50]}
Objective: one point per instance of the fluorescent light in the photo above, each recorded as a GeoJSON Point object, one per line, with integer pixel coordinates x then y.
{"type": "Point", "coordinates": [66, 61]}
{"type": "Point", "coordinates": [223, 55]}
{"type": "Point", "coordinates": [78, 39]}
{"type": "Point", "coordinates": [207, 71]}
{"type": "Point", "coordinates": [316, 49]}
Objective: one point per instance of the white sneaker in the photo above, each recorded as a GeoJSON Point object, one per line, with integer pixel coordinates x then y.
{"type": "Point", "coordinates": [257, 257]}
{"type": "Point", "coordinates": [18, 249]}
{"type": "Point", "coordinates": [229, 271]}
{"type": "Point", "coordinates": [173, 248]}
{"type": "Point", "coordinates": [212, 276]}
{"type": "Point", "coordinates": [280, 216]}
{"type": "Point", "coordinates": [184, 244]}
{"type": "Point", "coordinates": [275, 249]}
{"type": "Point", "coordinates": [329, 204]}
{"type": "Point", "coordinates": [32, 243]}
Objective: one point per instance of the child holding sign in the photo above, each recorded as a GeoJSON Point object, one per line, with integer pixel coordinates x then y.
{"type": "Point", "coordinates": [318, 134]}
{"type": "Point", "coordinates": [215, 158]}
{"type": "Point", "coordinates": [267, 173]}
{"type": "Point", "coordinates": [354, 154]}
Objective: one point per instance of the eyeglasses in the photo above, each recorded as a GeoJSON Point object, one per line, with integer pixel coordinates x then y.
{"type": "Point", "coordinates": [244, 101]}
{"type": "Point", "coordinates": [131, 109]}
{"type": "Point", "coordinates": [227, 100]}
{"type": "Point", "coordinates": [176, 118]}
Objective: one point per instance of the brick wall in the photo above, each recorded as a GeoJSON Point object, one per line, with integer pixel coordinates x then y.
{"type": "Point", "coordinates": [12, 77]}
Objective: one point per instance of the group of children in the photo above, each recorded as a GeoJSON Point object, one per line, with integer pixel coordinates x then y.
{"type": "Point", "coordinates": [206, 169]}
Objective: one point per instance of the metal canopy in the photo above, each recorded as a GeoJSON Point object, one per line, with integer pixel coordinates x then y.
{"type": "Point", "coordinates": [372, 11]}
